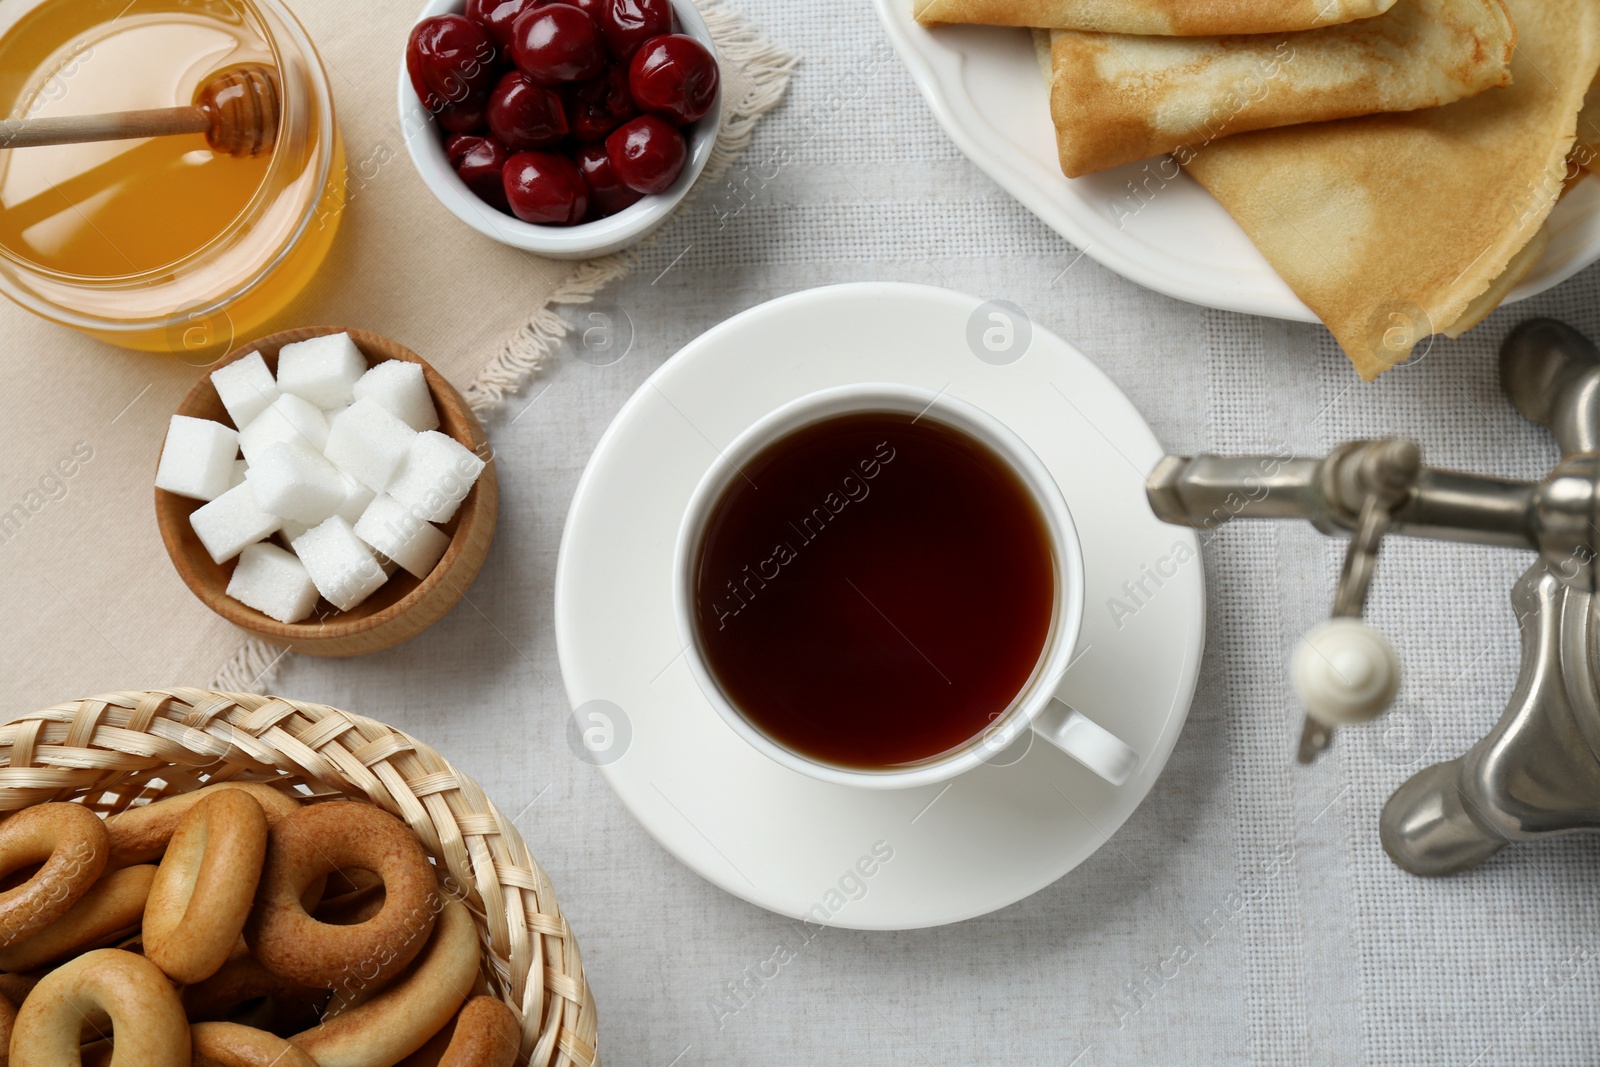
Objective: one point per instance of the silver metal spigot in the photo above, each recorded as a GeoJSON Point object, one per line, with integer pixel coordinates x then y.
{"type": "Point", "coordinates": [1538, 770]}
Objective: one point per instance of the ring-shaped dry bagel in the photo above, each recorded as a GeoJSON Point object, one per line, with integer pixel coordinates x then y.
{"type": "Point", "coordinates": [71, 843]}
{"type": "Point", "coordinates": [145, 1014]}
{"type": "Point", "coordinates": [400, 1019]}
{"type": "Point", "coordinates": [315, 841]}
{"type": "Point", "coordinates": [349, 897]}
{"type": "Point", "coordinates": [484, 1033]}
{"type": "Point", "coordinates": [347, 909]}
{"type": "Point", "coordinates": [205, 886]}
{"type": "Point", "coordinates": [16, 987]}
{"type": "Point", "coordinates": [433, 1051]}
{"type": "Point", "coordinates": [232, 1045]}
{"type": "Point", "coordinates": [98, 1054]}
{"type": "Point", "coordinates": [238, 981]}
{"type": "Point", "coordinates": [242, 991]}
{"type": "Point", "coordinates": [487, 1035]}
{"type": "Point", "coordinates": [8, 1019]}
{"type": "Point", "coordinates": [341, 883]}
{"type": "Point", "coordinates": [106, 914]}
{"type": "Point", "coordinates": [140, 835]}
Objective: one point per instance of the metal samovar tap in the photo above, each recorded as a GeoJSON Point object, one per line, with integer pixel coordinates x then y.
{"type": "Point", "coordinates": [1537, 772]}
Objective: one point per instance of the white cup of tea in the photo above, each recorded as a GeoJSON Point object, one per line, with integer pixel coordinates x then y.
{"type": "Point", "coordinates": [1035, 706]}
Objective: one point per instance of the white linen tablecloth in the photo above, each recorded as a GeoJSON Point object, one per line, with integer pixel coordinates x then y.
{"type": "Point", "coordinates": [1248, 899]}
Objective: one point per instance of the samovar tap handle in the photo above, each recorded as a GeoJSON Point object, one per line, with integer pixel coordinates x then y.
{"type": "Point", "coordinates": [1551, 372]}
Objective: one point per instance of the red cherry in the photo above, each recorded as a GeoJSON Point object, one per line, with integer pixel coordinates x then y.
{"type": "Point", "coordinates": [599, 105]}
{"type": "Point", "coordinates": [464, 117]}
{"type": "Point", "coordinates": [607, 196]}
{"type": "Point", "coordinates": [557, 43]}
{"type": "Point", "coordinates": [545, 188]}
{"type": "Point", "coordinates": [450, 60]}
{"type": "Point", "coordinates": [479, 161]}
{"type": "Point", "coordinates": [647, 153]}
{"type": "Point", "coordinates": [524, 115]}
{"type": "Point", "coordinates": [628, 24]}
{"type": "Point", "coordinates": [496, 16]}
{"type": "Point", "coordinates": [675, 77]}
{"type": "Point", "coordinates": [588, 7]}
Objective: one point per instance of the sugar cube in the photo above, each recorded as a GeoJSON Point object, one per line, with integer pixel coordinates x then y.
{"type": "Point", "coordinates": [339, 562]}
{"type": "Point", "coordinates": [322, 370]}
{"type": "Point", "coordinates": [240, 466]}
{"type": "Point", "coordinates": [274, 582]}
{"type": "Point", "coordinates": [293, 482]}
{"type": "Point", "coordinates": [197, 458]}
{"type": "Point", "coordinates": [245, 387]}
{"type": "Point", "coordinates": [356, 499]}
{"type": "Point", "coordinates": [289, 418]}
{"type": "Point", "coordinates": [402, 389]}
{"type": "Point", "coordinates": [230, 522]}
{"type": "Point", "coordinates": [401, 535]}
{"type": "Point", "coordinates": [437, 473]}
{"type": "Point", "coordinates": [369, 444]}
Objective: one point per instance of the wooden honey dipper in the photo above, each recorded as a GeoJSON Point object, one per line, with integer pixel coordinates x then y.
{"type": "Point", "coordinates": [237, 110]}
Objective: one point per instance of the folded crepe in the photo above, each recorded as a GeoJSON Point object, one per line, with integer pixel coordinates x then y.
{"type": "Point", "coordinates": [1478, 307]}
{"type": "Point", "coordinates": [1586, 151]}
{"type": "Point", "coordinates": [1116, 98]}
{"type": "Point", "coordinates": [1393, 227]}
{"type": "Point", "coordinates": [1165, 17]}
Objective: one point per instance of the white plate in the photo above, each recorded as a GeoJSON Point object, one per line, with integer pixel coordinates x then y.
{"type": "Point", "coordinates": [776, 837]}
{"type": "Point", "coordinates": [1144, 221]}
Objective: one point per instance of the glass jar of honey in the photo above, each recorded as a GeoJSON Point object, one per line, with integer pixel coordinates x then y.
{"type": "Point", "coordinates": [160, 243]}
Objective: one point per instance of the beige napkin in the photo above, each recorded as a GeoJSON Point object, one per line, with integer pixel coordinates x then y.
{"type": "Point", "coordinates": [93, 602]}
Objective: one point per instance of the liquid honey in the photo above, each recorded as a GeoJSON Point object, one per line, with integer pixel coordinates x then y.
{"type": "Point", "coordinates": [153, 228]}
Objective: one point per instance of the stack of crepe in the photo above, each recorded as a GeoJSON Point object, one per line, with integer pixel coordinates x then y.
{"type": "Point", "coordinates": [1394, 160]}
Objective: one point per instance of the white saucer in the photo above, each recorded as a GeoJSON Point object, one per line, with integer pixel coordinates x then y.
{"type": "Point", "coordinates": [773, 836]}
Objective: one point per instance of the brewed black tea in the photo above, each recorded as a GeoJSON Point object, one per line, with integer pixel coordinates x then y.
{"type": "Point", "coordinates": [873, 590]}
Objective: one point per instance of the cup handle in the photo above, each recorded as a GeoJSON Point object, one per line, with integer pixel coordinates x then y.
{"type": "Point", "coordinates": [1086, 741]}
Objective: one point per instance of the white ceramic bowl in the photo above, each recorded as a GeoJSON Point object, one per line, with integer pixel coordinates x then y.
{"type": "Point", "coordinates": [585, 240]}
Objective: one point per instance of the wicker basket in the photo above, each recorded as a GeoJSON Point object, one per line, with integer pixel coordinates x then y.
{"type": "Point", "coordinates": [123, 749]}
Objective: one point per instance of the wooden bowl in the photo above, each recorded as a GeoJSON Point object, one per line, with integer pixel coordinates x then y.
{"type": "Point", "coordinates": [404, 606]}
